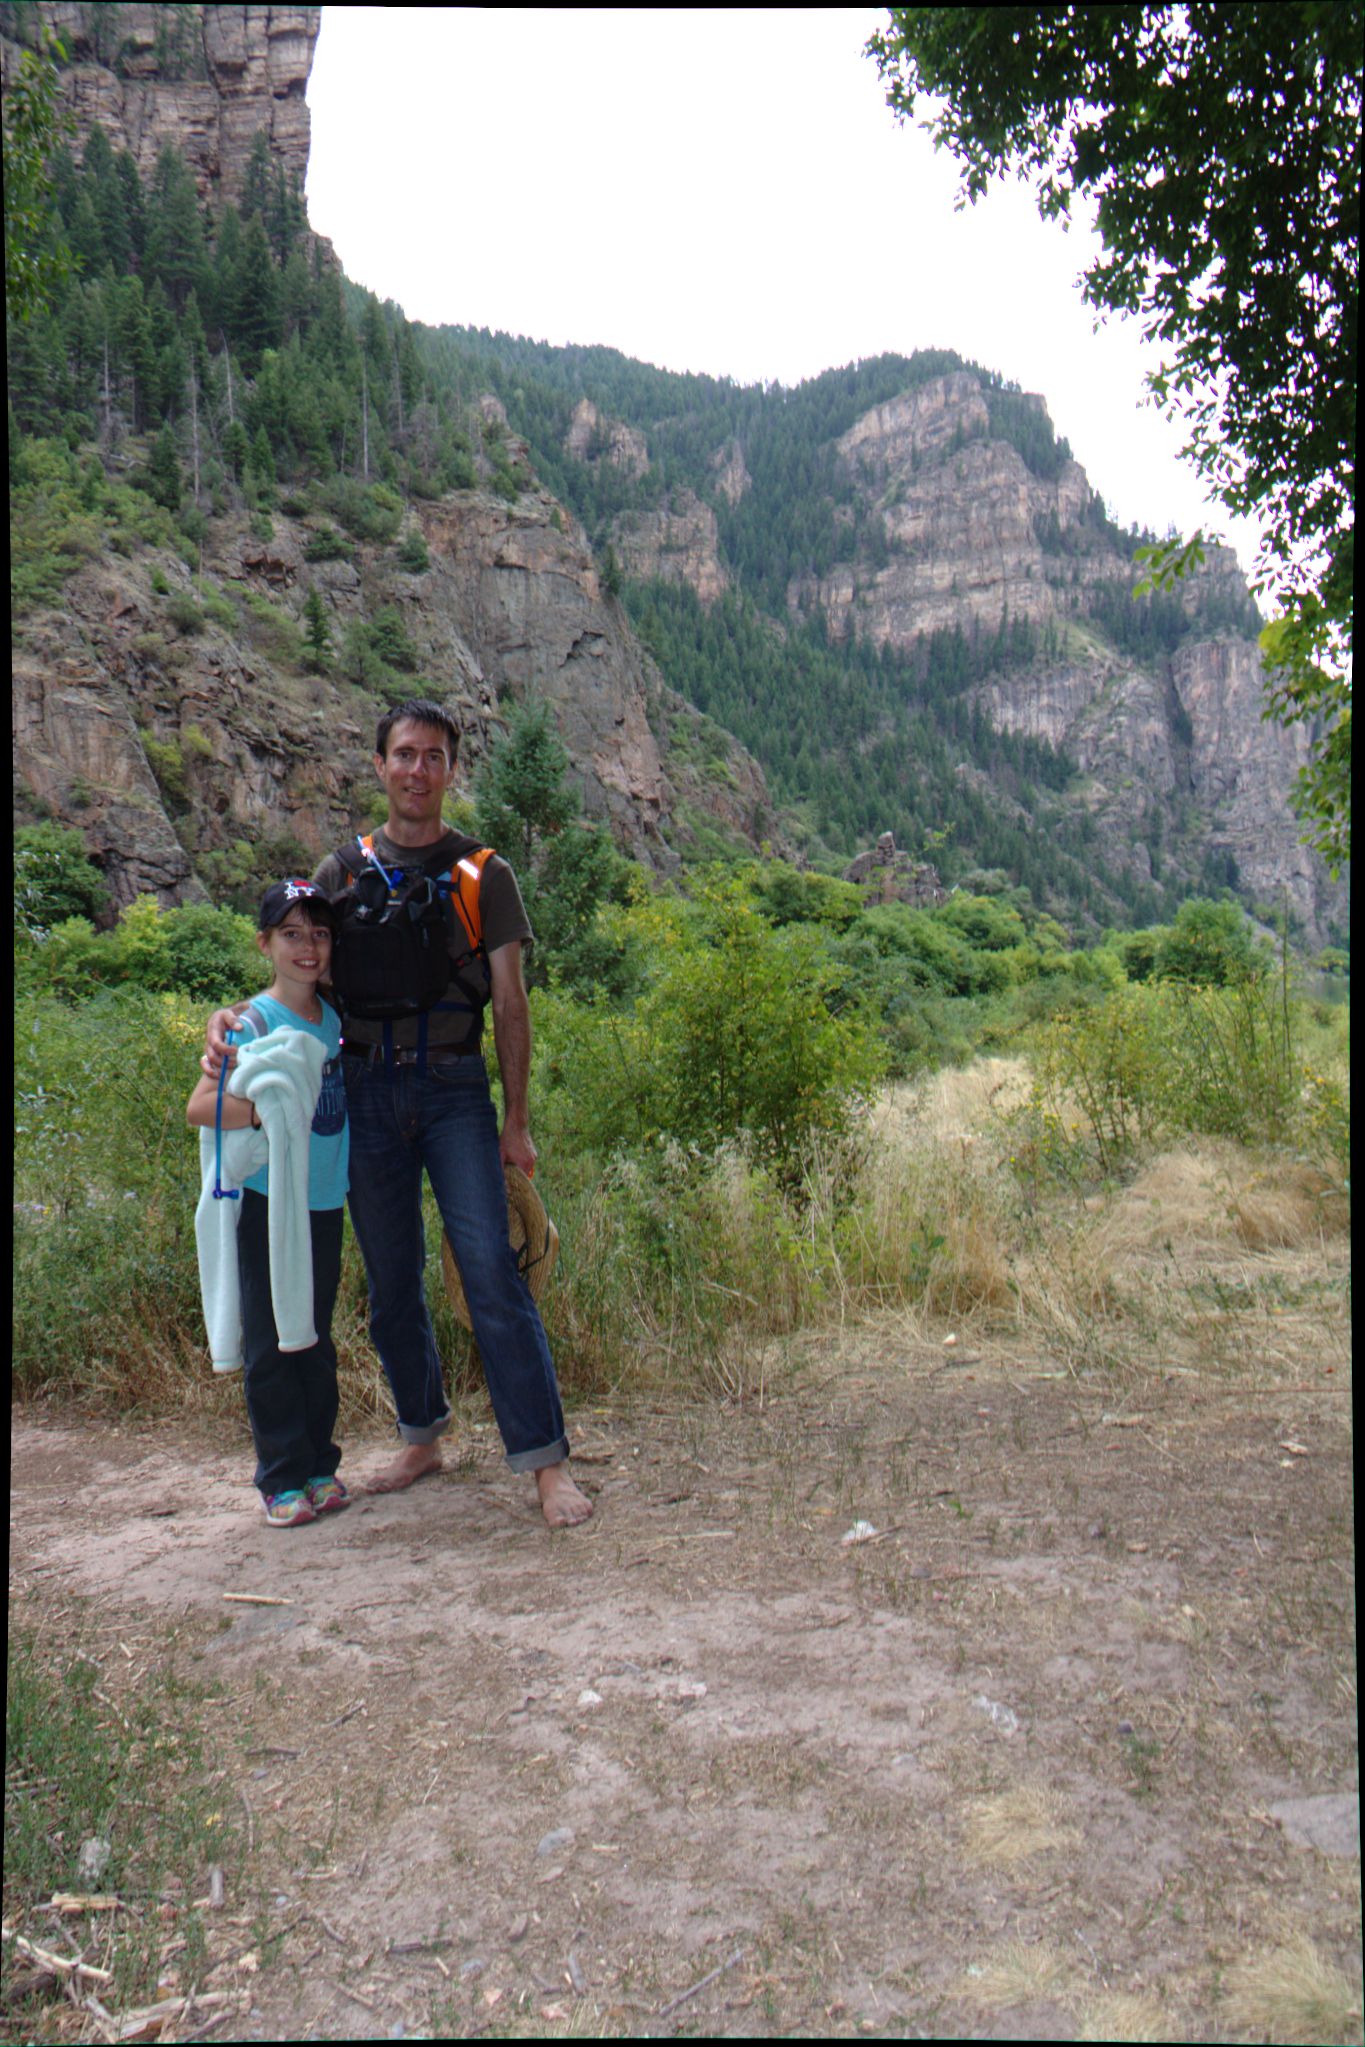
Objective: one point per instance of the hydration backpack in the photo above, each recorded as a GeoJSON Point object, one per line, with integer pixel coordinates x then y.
{"type": "Point", "coordinates": [394, 956]}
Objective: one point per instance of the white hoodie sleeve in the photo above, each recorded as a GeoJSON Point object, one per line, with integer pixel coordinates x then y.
{"type": "Point", "coordinates": [282, 1074]}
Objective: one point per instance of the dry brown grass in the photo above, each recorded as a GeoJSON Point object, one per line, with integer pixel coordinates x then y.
{"type": "Point", "coordinates": [1016, 1826]}
{"type": "Point", "coordinates": [1207, 1193]}
{"type": "Point", "coordinates": [1018, 1973]}
{"type": "Point", "coordinates": [1134, 1279]}
{"type": "Point", "coordinates": [957, 1103]}
{"type": "Point", "coordinates": [1290, 1205]}
{"type": "Point", "coordinates": [1123, 2015]}
{"type": "Point", "coordinates": [1293, 1993]}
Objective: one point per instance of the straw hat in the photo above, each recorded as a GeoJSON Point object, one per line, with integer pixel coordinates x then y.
{"type": "Point", "coordinates": [531, 1234]}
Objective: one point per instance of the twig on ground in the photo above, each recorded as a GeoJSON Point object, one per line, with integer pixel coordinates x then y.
{"type": "Point", "coordinates": [209, 2026]}
{"type": "Point", "coordinates": [683, 1995]}
{"type": "Point", "coordinates": [346, 1991]}
{"type": "Point", "coordinates": [61, 1965]}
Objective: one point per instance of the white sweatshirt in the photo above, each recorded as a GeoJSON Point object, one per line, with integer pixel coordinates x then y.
{"type": "Point", "coordinates": [281, 1074]}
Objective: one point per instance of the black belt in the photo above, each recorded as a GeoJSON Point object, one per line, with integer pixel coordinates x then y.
{"type": "Point", "coordinates": [405, 1055]}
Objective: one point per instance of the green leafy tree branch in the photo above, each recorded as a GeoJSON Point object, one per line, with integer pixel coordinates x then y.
{"type": "Point", "coordinates": [37, 259]}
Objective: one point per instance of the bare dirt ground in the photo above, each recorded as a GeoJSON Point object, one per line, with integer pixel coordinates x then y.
{"type": "Point", "coordinates": [1067, 1748]}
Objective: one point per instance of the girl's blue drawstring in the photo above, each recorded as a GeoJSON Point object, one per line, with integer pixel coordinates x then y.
{"type": "Point", "coordinates": [220, 1192]}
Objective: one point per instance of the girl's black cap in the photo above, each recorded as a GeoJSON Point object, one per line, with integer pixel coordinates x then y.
{"type": "Point", "coordinates": [280, 898]}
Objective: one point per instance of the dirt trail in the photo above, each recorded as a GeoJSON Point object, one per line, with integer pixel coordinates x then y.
{"type": "Point", "coordinates": [1023, 1765]}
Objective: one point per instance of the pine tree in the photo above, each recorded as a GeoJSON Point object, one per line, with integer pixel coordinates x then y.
{"type": "Point", "coordinates": [315, 631]}
{"type": "Point", "coordinates": [256, 182]}
{"type": "Point", "coordinates": [163, 470]}
{"type": "Point", "coordinates": [254, 316]}
{"type": "Point", "coordinates": [175, 250]}
{"type": "Point", "coordinates": [520, 792]}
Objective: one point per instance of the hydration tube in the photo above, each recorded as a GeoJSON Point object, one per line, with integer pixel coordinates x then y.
{"type": "Point", "coordinates": [220, 1192]}
{"type": "Point", "coordinates": [370, 854]}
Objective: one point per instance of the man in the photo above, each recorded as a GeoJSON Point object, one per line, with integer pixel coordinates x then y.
{"type": "Point", "coordinates": [418, 1100]}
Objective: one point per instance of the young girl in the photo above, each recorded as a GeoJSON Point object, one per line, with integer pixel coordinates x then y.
{"type": "Point", "coordinates": [291, 1396]}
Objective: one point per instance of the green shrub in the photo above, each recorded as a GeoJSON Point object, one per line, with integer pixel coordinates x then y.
{"type": "Point", "coordinates": [731, 1035]}
{"type": "Point", "coordinates": [327, 545]}
{"type": "Point", "coordinates": [54, 877]}
{"type": "Point", "coordinates": [105, 1265]}
{"type": "Point", "coordinates": [985, 922]}
{"type": "Point", "coordinates": [274, 629]}
{"type": "Point", "coordinates": [1170, 1059]}
{"type": "Point", "coordinates": [184, 614]}
{"type": "Point", "coordinates": [389, 639]}
{"type": "Point", "coordinates": [1231, 1061]}
{"type": "Point", "coordinates": [210, 954]}
{"type": "Point", "coordinates": [368, 511]}
{"type": "Point", "coordinates": [1209, 945]}
{"type": "Point", "coordinates": [197, 950]}
{"type": "Point", "coordinates": [218, 607]}
{"type": "Point", "coordinates": [412, 552]}
{"type": "Point", "coordinates": [167, 764]}
{"type": "Point", "coordinates": [1107, 1060]}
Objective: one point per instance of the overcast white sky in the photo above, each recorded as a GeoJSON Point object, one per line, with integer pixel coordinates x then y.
{"type": "Point", "coordinates": [712, 189]}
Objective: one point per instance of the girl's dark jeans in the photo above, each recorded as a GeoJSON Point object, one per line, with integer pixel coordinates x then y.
{"type": "Point", "coordinates": [291, 1396]}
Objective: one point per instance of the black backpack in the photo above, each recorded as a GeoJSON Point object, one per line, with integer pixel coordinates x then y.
{"type": "Point", "coordinates": [393, 955]}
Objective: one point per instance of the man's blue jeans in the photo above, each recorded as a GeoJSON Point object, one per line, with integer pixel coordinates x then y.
{"type": "Point", "coordinates": [445, 1124]}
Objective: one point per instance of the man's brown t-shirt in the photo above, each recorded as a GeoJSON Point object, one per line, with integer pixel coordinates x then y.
{"type": "Point", "coordinates": [500, 906]}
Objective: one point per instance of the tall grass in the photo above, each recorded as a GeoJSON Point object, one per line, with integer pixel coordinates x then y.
{"type": "Point", "coordinates": [978, 1194]}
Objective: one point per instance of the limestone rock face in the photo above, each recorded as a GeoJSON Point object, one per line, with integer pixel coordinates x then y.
{"type": "Point", "coordinates": [201, 77]}
{"type": "Point", "coordinates": [161, 743]}
{"type": "Point", "coordinates": [78, 755]}
{"type": "Point", "coordinates": [887, 875]}
{"type": "Point", "coordinates": [960, 515]}
{"type": "Point", "coordinates": [1238, 765]}
{"type": "Point", "coordinates": [677, 542]}
{"type": "Point", "coordinates": [1172, 749]}
{"type": "Point", "coordinates": [731, 472]}
{"type": "Point", "coordinates": [526, 595]}
{"type": "Point", "coordinates": [592, 437]}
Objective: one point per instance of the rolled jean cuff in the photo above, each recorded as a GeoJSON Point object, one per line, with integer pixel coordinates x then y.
{"type": "Point", "coordinates": [538, 1460]}
{"type": "Point", "coordinates": [428, 1433]}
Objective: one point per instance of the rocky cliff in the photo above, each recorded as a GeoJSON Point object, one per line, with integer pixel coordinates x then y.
{"type": "Point", "coordinates": [179, 725]}
{"type": "Point", "coordinates": [205, 79]}
{"type": "Point", "coordinates": [958, 531]}
{"type": "Point", "coordinates": [677, 542]}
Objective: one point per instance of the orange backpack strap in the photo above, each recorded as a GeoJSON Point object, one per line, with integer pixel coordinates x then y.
{"type": "Point", "coordinates": [465, 879]}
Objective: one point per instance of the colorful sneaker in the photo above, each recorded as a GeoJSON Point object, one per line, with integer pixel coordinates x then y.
{"type": "Point", "coordinates": [288, 1510]}
{"type": "Point", "coordinates": [327, 1495]}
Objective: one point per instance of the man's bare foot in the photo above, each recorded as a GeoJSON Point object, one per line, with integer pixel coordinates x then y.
{"type": "Point", "coordinates": [560, 1500]}
{"type": "Point", "coordinates": [414, 1461]}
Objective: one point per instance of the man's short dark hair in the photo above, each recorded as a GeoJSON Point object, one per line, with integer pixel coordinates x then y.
{"type": "Point", "coordinates": [421, 711]}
